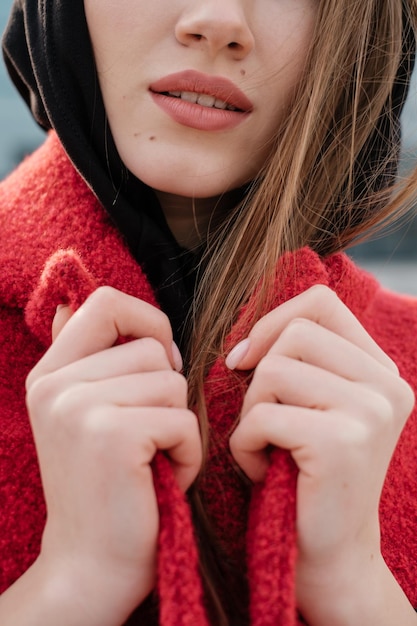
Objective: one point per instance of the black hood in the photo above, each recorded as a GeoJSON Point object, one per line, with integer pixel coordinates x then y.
{"type": "Point", "coordinates": [48, 54]}
{"type": "Point", "coordinates": [47, 50]}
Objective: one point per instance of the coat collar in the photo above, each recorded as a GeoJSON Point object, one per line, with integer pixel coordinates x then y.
{"type": "Point", "coordinates": [58, 245]}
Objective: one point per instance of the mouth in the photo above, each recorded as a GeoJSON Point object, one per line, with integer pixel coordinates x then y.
{"type": "Point", "coordinates": [212, 92]}
{"type": "Point", "coordinates": [203, 99]}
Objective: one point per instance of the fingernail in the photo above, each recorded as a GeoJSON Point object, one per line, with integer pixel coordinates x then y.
{"type": "Point", "coordinates": [176, 355]}
{"type": "Point", "coordinates": [60, 307]}
{"type": "Point", "coordinates": [236, 355]}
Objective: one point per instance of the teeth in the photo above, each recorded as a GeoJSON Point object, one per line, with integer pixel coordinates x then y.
{"type": "Point", "coordinates": [206, 101]}
{"type": "Point", "coordinates": [219, 104]}
{"type": "Point", "coordinates": [202, 99]}
{"type": "Point", "coordinates": [189, 96]}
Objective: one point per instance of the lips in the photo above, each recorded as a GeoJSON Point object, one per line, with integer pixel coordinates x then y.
{"type": "Point", "coordinates": [201, 101]}
{"type": "Point", "coordinates": [215, 86]}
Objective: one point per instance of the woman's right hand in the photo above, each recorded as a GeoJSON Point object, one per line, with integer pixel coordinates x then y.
{"type": "Point", "coordinates": [99, 413]}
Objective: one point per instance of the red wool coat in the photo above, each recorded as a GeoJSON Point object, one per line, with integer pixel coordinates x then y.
{"type": "Point", "coordinates": [57, 245]}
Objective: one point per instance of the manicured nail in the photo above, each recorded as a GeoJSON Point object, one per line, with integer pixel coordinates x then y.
{"type": "Point", "coordinates": [176, 355]}
{"type": "Point", "coordinates": [236, 355]}
{"type": "Point", "coordinates": [60, 307]}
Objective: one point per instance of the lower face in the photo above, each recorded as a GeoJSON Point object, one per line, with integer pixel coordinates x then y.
{"type": "Point", "coordinates": [195, 90]}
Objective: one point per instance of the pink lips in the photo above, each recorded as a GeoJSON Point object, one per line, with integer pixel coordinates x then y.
{"type": "Point", "coordinates": [196, 115]}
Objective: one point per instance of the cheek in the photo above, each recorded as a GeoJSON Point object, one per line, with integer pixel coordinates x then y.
{"type": "Point", "coordinates": [288, 34]}
{"type": "Point", "coordinates": [287, 53]}
{"type": "Point", "coordinates": [114, 31]}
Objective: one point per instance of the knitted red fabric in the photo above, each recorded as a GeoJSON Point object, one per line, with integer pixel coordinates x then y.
{"type": "Point", "coordinates": [57, 246]}
{"type": "Point", "coordinates": [274, 546]}
{"type": "Point", "coordinates": [179, 585]}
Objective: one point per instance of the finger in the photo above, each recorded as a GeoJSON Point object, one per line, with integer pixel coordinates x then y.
{"type": "Point", "coordinates": [63, 314]}
{"type": "Point", "coordinates": [309, 342]}
{"type": "Point", "coordinates": [176, 431]}
{"type": "Point", "coordinates": [316, 439]}
{"type": "Point", "coordinates": [104, 317]}
{"type": "Point", "coordinates": [318, 304]}
{"type": "Point", "coordinates": [279, 379]}
{"type": "Point", "coordinates": [139, 355]}
{"type": "Point", "coordinates": [268, 424]}
{"type": "Point", "coordinates": [140, 432]}
{"type": "Point", "coordinates": [150, 389]}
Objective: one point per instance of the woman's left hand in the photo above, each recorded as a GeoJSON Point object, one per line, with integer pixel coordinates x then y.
{"type": "Point", "coordinates": [325, 391]}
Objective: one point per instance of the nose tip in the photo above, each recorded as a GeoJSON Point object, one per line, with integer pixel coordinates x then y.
{"type": "Point", "coordinates": [214, 29]}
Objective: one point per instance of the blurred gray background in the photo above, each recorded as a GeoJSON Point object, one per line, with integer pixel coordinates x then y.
{"type": "Point", "coordinates": [392, 257]}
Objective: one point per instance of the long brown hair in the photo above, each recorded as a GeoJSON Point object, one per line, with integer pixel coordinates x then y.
{"type": "Point", "coordinates": [322, 185]}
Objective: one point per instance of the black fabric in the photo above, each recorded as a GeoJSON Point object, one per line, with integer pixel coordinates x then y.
{"type": "Point", "coordinates": [47, 51]}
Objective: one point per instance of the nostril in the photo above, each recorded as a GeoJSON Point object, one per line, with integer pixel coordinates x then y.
{"type": "Point", "coordinates": [196, 36]}
{"type": "Point", "coordinates": [233, 45]}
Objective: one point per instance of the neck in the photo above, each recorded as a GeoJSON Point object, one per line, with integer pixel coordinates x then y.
{"type": "Point", "coordinates": [190, 219]}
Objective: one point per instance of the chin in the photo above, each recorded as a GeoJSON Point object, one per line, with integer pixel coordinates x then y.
{"type": "Point", "coordinates": [181, 172]}
{"type": "Point", "coordinates": [181, 184]}
{"type": "Point", "coordinates": [194, 190]}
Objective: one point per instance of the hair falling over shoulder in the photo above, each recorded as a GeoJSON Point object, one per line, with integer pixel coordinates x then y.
{"type": "Point", "coordinates": [330, 177]}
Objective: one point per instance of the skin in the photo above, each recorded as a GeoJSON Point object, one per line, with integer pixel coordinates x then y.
{"type": "Point", "coordinates": [96, 565]}
{"type": "Point", "coordinates": [260, 46]}
{"type": "Point", "coordinates": [113, 406]}
{"type": "Point", "coordinates": [341, 427]}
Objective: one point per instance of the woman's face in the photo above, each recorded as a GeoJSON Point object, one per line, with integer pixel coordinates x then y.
{"type": "Point", "coordinates": [195, 89]}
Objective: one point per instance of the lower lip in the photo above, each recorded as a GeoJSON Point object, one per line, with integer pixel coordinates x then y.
{"type": "Point", "coordinates": [197, 116]}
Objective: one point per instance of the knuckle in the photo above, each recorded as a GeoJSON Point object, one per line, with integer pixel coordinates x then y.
{"type": "Point", "coordinates": [394, 403]}
{"type": "Point", "coordinates": [320, 293]}
{"type": "Point", "coordinates": [234, 444]}
{"type": "Point", "coordinates": [70, 404]}
{"type": "Point", "coordinates": [409, 398]}
{"type": "Point", "coordinates": [237, 440]}
{"type": "Point", "coordinates": [255, 418]}
{"type": "Point", "coordinates": [268, 373]}
{"type": "Point", "coordinates": [379, 415]}
{"type": "Point", "coordinates": [40, 392]}
{"type": "Point", "coordinates": [32, 378]}
{"type": "Point", "coordinates": [154, 348]}
{"type": "Point", "coordinates": [392, 366]}
{"type": "Point", "coordinates": [56, 408]}
{"type": "Point", "coordinates": [266, 366]}
{"type": "Point", "coordinates": [379, 410]}
{"type": "Point", "coordinates": [106, 299]}
{"type": "Point", "coordinates": [297, 331]}
{"type": "Point", "coordinates": [188, 421]}
{"type": "Point", "coordinates": [103, 297]}
{"type": "Point", "coordinates": [162, 320]}
{"type": "Point", "coordinates": [272, 375]}
{"type": "Point", "coordinates": [160, 326]}
{"type": "Point", "coordinates": [351, 434]}
{"type": "Point", "coordinates": [404, 398]}
{"type": "Point", "coordinates": [181, 384]}
{"type": "Point", "coordinates": [324, 299]}
{"type": "Point", "coordinates": [252, 429]}
{"type": "Point", "coordinates": [174, 387]}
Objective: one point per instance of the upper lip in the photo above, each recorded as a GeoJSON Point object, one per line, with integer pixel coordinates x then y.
{"type": "Point", "coordinates": [196, 82]}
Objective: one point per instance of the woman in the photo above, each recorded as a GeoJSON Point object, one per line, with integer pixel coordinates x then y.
{"type": "Point", "coordinates": [210, 160]}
